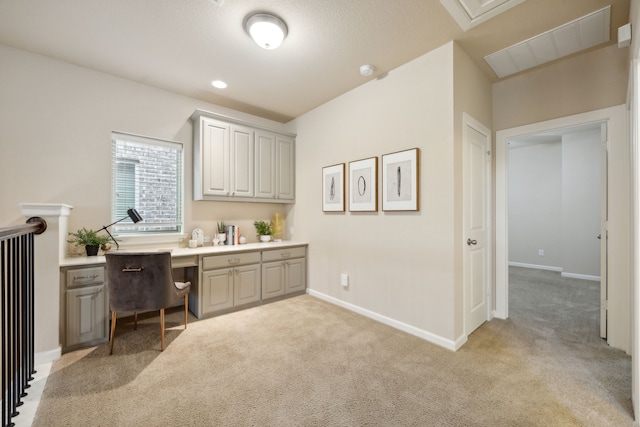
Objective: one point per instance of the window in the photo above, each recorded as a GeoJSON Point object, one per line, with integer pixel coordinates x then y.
{"type": "Point", "coordinates": [147, 176]}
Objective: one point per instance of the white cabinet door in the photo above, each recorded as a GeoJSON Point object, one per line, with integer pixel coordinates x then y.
{"type": "Point", "coordinates": [234, 160]}
{"type": "Point", "coordinates": [246, 284]}
{"type": "Point", "coordinates": [217, 290]}
{"type": "Point", "coordinates": [86, 315]}
{"type": "Point", "coordinates": [295, 275]}
{"type": "Point", "coordinates": [242, 167]}
{"type": "Point", "coordinates": [216, 158]}
{"type": "Point", "coordinates": [272, 279]}
{"type": "Point", "coordinates": [265, 165]}
{"type": "Point", "coordinates": [285, 167]}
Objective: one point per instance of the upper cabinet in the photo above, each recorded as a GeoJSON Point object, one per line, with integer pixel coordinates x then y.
{"type": "Point", "coordinates": [234, 160]}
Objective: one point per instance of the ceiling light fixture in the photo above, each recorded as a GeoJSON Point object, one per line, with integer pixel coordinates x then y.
{"type": "Point", "coordinates": [268, 31]}
{"type": "Point", "coordinates": [219, 84]}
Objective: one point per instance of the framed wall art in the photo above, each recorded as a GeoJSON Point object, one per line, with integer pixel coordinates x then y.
{"type": "Point", "coordinates": [363, 185]}
{"type": "Point", "coordinates": [333, 187]}
{"type": "Point", "coordinates": [400, 180]}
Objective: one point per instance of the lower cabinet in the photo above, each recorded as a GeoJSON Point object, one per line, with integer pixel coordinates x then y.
{"type": "Point", "coordinates": [283, 272]}
{"type": "Point", "coordinates": [225, 288]}
{"type": "Point", "coordinates": [221, 283]}
{"type": "Point", "coordinates": [85, 315]}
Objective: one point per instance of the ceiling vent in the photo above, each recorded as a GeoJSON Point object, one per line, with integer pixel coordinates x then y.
{"type": "Point", "coordinates": [469, 13]}
{"type": "Point", "coordinates": [583, 33]}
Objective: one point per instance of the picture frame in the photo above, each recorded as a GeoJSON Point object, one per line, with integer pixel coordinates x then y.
{"type": "Point", "coordinates": [401, 180]}
{"type": "Point", "coordinates": [363, 185]}
{"type": "Point", "coordinates": [333, 188]}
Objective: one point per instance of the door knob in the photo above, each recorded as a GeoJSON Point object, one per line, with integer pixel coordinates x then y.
{"type": "Point", "coordinates": [472, 242]}
{"type": "Point", "coordinates": [599, 236]}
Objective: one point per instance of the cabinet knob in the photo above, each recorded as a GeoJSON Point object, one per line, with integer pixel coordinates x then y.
{"type": "Point", "coordinates": [233, 261]}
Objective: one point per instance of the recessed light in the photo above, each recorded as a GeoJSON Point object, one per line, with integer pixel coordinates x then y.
{"type": "Point", "coordinates": [219, 84]}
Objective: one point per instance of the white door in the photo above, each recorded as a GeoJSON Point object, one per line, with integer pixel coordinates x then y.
{"type": "Point", "coordinates": [477, 222]}
{"type": "Point", "coordinates": [604, 239]}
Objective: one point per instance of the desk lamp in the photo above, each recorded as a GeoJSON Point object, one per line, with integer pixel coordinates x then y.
{"type": "Point", "coordinates": [131, 213]}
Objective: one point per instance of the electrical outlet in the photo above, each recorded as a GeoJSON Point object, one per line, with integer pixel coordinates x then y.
{"type": "Point", "coordinates": [344, 280]}
{"type": "Point", "coordinates": [540, 252]}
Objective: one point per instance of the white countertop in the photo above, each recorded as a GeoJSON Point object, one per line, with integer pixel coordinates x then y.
{"type": "Point", "coordinates": [184, 252]}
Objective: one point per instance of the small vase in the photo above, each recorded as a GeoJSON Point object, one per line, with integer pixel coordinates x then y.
{"type": "Point", "coordinates": [92, 250]}
{"type": "Point", "coordinates": [222, 237]}
{"type": "Point", "coordinates": [265, 238]}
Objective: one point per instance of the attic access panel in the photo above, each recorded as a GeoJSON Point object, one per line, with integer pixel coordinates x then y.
{"type": "Point", "coordinates": [469, 13]}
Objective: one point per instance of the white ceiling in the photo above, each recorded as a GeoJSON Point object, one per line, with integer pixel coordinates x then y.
{"type": "Point", "coordinates": [182, 45]}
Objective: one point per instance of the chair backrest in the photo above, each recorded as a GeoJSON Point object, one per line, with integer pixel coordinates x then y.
{"type": "Point", "coordinates": [140, 281]}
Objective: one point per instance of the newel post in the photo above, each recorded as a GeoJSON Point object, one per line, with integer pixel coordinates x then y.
{"type": "Point", "coordinates": [49, 250]}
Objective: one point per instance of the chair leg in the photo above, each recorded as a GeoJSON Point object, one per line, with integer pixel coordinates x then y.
{"type": "Point", "coordinates": [186, 310]}
{"type": "Point", "coordinates": [113, 330]}
{"type": "Point", "coordinates": [162, 329]}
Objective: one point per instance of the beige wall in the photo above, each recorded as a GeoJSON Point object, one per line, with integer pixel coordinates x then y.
{"type": "Point", "coordinates": [56, 140]}
{"type": "Point", "coordinates": [585, 82]}
{"type": "Point", "coordinates": [472, 95]}
{"type": "Point", "coordinates": [404, 267]}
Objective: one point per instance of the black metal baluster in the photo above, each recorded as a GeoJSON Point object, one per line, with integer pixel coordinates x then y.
{"type": "Point", "coordinates": [17, 305]}
{"type": "Point", "coordinates": [5, 370]}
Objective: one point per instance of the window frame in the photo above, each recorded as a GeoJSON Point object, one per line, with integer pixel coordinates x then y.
{"type": "Point", "coordinates": [126, 230]}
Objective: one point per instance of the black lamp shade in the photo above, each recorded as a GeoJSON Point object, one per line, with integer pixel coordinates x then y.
{"type": "Point", "coordinates": [134, 215]}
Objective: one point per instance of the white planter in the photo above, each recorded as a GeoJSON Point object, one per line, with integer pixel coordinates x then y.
{"type": "Point", "coordinates": [265, 238]}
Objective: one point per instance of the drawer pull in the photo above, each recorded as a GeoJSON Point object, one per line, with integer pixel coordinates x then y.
{"type": "Point", "coordinates": [85, 277]}
{"type": "Point", "coordinates": [233, 261]}
{"type": "Point", "coordinates": [132, 269]}
{"type": "Point", "coordinates": [285, 254]}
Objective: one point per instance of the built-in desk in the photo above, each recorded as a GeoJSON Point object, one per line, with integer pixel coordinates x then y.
{"type": "Point", "coordinates": [223, 279]}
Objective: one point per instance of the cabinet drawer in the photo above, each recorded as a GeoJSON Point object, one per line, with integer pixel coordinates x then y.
{"type": "Point", "coordinates": [184, 261]}
{"type": "Point", "coordinates": [230, 260]}
{"type": "Point", "coordinates": [85, 276]}
{"type": "Point", "coordinates": [284, 253]}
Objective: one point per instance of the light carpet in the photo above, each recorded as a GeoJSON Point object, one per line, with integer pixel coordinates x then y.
{"type": "Point", "coordinates": [305, 362]}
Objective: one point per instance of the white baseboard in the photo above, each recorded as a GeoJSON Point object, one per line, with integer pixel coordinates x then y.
{"type": "Point", "coordinates": [48, 356]}
{"type": "Point", "coordinates": [581, 276]}
{"type": "Point", "coordinates": [428, 336]}
{"type": "Point", "coordinates": [538, 267]}
{"type": "Point", "coordinates": [558, 269]}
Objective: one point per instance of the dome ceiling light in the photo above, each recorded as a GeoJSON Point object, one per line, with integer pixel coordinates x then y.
{"type": "Point", "coordinates": [268, 31]}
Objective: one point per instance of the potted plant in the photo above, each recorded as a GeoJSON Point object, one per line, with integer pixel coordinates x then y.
{"type": "Point", "coordinates": [90, 240]}
{"type": "Point", "coordinates": [222, 236]}
{"type": "Point", "coordinates": [264, 229]}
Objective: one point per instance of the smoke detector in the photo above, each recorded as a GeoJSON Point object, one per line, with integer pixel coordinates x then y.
{"type": "Point", "coordinates": [366, 70]}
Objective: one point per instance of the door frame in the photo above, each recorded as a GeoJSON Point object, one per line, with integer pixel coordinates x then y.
{"type": "Point", "coordinates": [468, 122]}
{"type": "Point", "coordinates": [607, 115]}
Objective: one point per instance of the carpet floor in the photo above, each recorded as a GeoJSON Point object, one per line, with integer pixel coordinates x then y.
{"type": "Point", "coordinates": [305, 362]}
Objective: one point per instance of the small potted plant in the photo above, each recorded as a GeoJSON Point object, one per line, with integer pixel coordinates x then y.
{"type": "Point", "coordinates": [222, 236]}
{"type": "Point", "coordinates": [264, 229]}
{"type": "Point", "coordinates": [90, 240]}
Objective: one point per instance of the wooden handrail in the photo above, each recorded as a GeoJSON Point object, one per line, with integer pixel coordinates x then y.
{"type": "Point", "coordinates": [34, 225]}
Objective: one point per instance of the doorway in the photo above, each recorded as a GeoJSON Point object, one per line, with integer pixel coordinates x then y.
{"type": "Point", "coordinates": [557, 185]}
{"type": "Point", "coordinates": [618, 207]}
